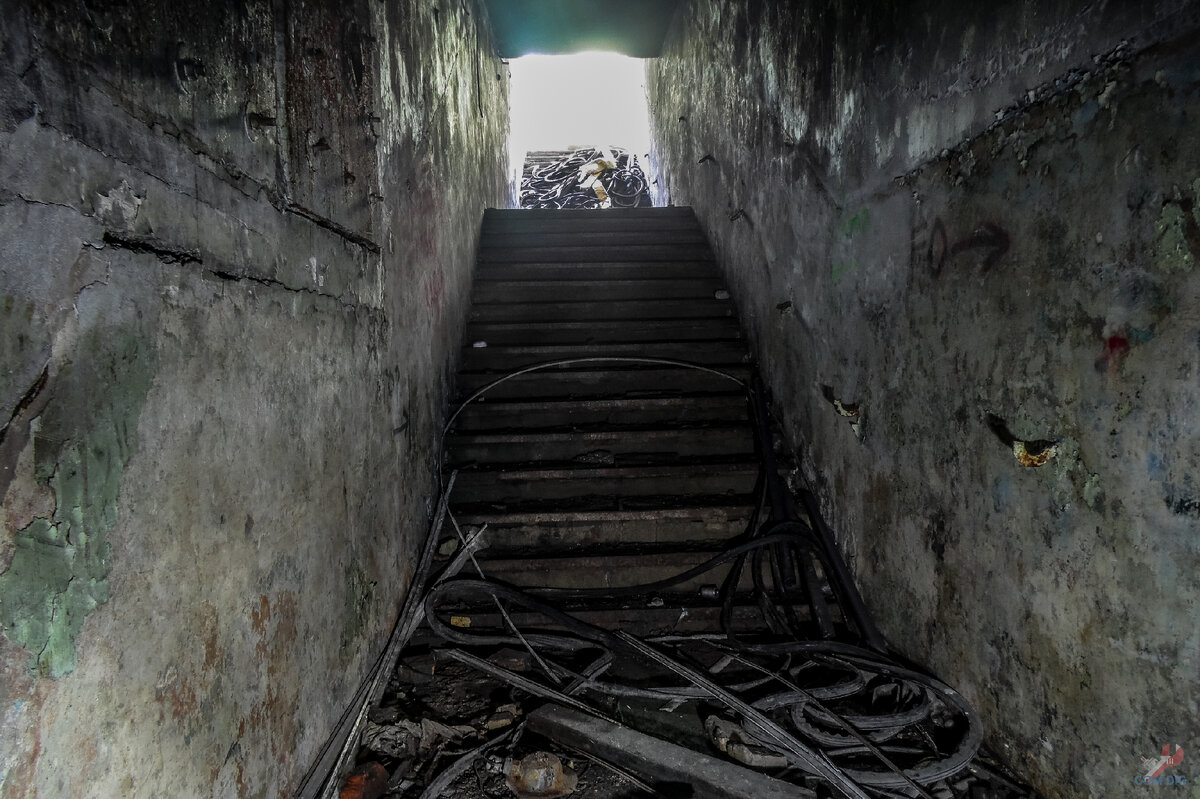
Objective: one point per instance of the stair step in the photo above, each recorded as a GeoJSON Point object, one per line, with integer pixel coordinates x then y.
{"type": "Point", "coordinates": [565, 528]}
{"type": "Point", "coordinates": [679, 481]}
{"type": "Point", "coordinates": [502, 415]}
{"type": "Point", "coordinates": [584, 217]}
{"type": "Point", "coordinates": [529, 291]}
{"type": "Point", "coordinates": [599, 270]}
{"type": "Point", "coordinates": [594, 381]}
{"type": "Point", "coordinates": [643, 620]}
{"type": "Point", "coordinates": [604, 473]}
{"type": "Point", "coordinates": [634, 252]}
{"type": "Point", "coordinates": [596, 223]}
{"type": "Point", "coordinates": [607, 571]}
{"type": "Point", "coordinates": [590, 222]}
{"type": "Point", "coordinates": [510, 358]}
{"type": "Point", "coordinates": [618, 447]}
{"type": "Point", "coordinates": [535, 332]}
{"type": "Point", "coordinates": [492, 239]}
{"type": "Point", "coordinates": [584, 310]}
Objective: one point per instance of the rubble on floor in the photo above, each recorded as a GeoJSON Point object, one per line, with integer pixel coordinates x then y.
{"type": "Point", "coordinates": [446, 729]}
{"type": "Point", "coordinates": [629, 598]}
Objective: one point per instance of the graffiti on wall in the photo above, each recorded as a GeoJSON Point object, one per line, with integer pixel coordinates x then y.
{"type": "Point", "coordinates": [988, 241]}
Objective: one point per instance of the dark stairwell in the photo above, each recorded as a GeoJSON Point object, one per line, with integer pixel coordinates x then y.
{"type": "Point", "coordinates": [600, 472]}
{"type": "Point", "coordinates": [237, 248]}
{"type": "Point", "coordinates": [613, 473]}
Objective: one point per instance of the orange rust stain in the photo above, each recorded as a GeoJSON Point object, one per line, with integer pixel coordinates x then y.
{"type": "Point", "coordinates": [21, 776]}
{"type": "Point", "coordinates": [273, 716]}
{"type": "Point", "coordinates": [282, 643]}
{"type": "Point", "coordinates": [1033, 459]}
{"type": "Point", "coordinates": [212, 649]}
{"type": "Point", "coordinates": [259, 618]}
{"type": "Point", "coordinates": [282, 683]}
{"type": "Point", "coordinates": [181, 697]}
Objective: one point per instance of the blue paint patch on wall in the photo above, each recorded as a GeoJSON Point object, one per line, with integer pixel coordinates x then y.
{"type": "Point", "coordinates": [1156, 467]}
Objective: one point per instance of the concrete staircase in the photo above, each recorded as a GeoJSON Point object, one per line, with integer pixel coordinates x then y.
{"type": "Point", "coordinates": [603, 473]}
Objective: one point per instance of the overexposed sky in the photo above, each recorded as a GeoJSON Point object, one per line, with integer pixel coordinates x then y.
{"type": "Point", "coordinates": [585, 99]}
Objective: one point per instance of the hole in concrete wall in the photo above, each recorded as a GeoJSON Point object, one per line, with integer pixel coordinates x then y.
{"type": "Point", "coordinates": [572, 117]}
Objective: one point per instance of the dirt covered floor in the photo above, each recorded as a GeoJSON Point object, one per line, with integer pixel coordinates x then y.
{"type": "Point", "coordinates": [446, 728]}
{"type": "Point", "coordinates": [437, 711]}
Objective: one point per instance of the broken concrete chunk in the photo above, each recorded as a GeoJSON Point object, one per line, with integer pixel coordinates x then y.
{"type": "Point", "coordinates": [540, 776]}
{"type": "Point", "coordinates": [511, 659]}
{"type": "Point", "coordinates": [385, 715]}
{"type": "Point", "coordinates": [118, 209]}
{"type": "Point", "coordinates": [416, 670]}
{"type": "Point", "coordinates": [504, 716]}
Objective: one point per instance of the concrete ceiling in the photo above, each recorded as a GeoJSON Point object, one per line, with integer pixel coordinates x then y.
{"type": "Point", "coordinates": [632, 27]}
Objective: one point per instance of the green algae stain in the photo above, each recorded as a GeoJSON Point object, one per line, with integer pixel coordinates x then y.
{"type": "Point", "coordinates": [59, 572]}
{"type": "Point", "coordinates": [841, 269]}
{"type": "Point", "coordinates": [850, 229]}
{"type": "Point", "coordinates": [857, 224]}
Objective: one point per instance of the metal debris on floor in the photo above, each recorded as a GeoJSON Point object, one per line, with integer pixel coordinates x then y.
{"type": "Point", "coordinates": [588, 177]}
{"type": "Point", "coordinates": [621, 594]}
{"type": "Point", "coordinates": [503, 691]}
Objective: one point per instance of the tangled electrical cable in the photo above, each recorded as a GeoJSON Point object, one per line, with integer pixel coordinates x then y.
{"type": "Point", "coordinates": [584, 178]}
{"type": "Point", "coordinates": [822, 698]}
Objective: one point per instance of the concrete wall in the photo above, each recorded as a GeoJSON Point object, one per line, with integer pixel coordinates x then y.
{"type": "Point", "coordinates": [235, 252]}
{"type": "Point", "coordinates": [945, 210]}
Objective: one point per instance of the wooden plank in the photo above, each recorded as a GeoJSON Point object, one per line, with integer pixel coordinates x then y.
{"type": "Point", "coordinates": [605, 253]}
{"type": "Point", "coordinates": [597, 270]}
{"type": "Point", "coordinates": [526, 291]}
{"type": "Point", "coordinates": [509, 358]}
{"type": "Point", "coordinates": [534, 331]}
{"type": "Point", "coordinates": [492, 238]}
{"type": "Point", "coordinates": [694, 308]}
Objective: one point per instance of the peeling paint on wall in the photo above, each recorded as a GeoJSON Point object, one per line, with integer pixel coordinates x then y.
{"type": "Point", "coordinates": [219, 228]}
{"type": "Point", "coordinates": [60, 564]}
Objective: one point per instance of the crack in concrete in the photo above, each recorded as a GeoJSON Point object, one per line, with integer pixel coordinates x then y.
{"type": "Point", "coordinates": [177, 256]}
{"type": "Point", "coordinates": [275, 198]}
{"type": "Point", "coordinates": [47, 203]}
{"type": "Point", "coordinates": [153, 246]}
{"type": "Point", "coordinates": [234, 277]}
{"type": "Point", "coordinates": [235, 175]}
{"type": "Point", "coordinates": [332, 226]}
{"type": "Point", "coordinates": [14, 435]}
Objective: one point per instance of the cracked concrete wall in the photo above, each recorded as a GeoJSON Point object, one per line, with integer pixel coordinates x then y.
{"type": "Point", "coordinates": [978, 224]}
{"type": "Point", "coordinates": [235, 255]}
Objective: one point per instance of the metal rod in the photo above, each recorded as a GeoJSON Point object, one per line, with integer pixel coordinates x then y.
{"type": "Point", "coordinates": [524, 683]}
{"type": "Point", "coordinates": [805, 757]}
{"type": "Point", "coordinates": [406, 623]}
{"type": "Point", "coordinates": [837, 719]}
